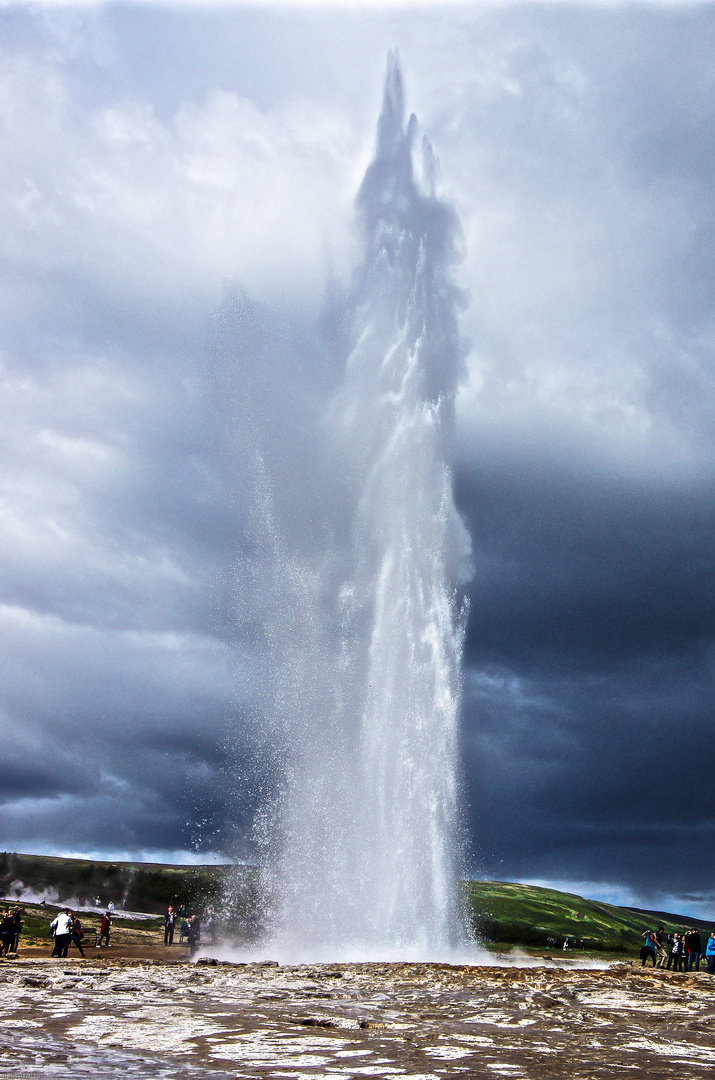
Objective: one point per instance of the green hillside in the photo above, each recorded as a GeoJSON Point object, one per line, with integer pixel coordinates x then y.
{"type": "Point", "coordinates": [146, 887]}
{"type": "Point", "coordinates": [508, 913]}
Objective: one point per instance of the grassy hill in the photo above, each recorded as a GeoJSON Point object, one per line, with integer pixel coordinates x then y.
{"type": "Point", "coordinates": [147, 887]}
{"type": "Point", "coordinates": [510, 913]}
{"type": "Point", "coordinates": [500, 912]}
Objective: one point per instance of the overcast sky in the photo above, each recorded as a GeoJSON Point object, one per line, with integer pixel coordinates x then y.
{"type": "Point", "coordinates": [165, 170]}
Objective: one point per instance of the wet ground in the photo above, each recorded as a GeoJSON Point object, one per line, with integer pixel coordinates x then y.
{"type": "Point", "coordinates": [103, 1017]}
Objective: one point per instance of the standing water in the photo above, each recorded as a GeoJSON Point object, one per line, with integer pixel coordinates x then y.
{"type": "Point", "coordinates": [364, 649]}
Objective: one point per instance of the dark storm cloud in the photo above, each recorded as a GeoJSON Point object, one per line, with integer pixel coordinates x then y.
{"type": "Point", "coordinates": [590, 677]}
{"type": "Point", "coordinates": [601, 570]}
{"type": "Point", "coordinates": [27, 781]}
{"type": "Point", "coordinates": [115, 675]}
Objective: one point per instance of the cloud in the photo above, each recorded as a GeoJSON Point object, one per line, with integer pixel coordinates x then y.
{"type": "Point", "coordinates": [167, 210]}
{"type": "Point", "coordinates": [587, 223]}
{"type": "Point", "coordinates": [589, 674]}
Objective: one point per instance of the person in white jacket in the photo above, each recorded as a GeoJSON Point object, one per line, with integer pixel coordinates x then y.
{"type": "Point", "coordinates": [62, 927]}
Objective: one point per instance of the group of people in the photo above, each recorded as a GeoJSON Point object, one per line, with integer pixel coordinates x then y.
{"type": "Point", "coordinates": [66, 929]}
{"type": "Point", "coordinates": [96, 902]}
{"type": "Point", "coordinates": [190, 928]}
{"type": "Point", "coordinates": [679, 951]}
{"type": "Point", "coordinates": [10, 927]}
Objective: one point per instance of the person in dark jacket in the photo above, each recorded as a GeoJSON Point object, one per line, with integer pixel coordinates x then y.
{"type": "Point", "coordinates": [7, 932]}
{"type": "Point", "coordinates": [76, 935]}
{"type": "Point", "coordinates": [17, 928]}
{"type": "Point", "coordinates": [674, 947]}
{"type": "Point", "coordinates": [169, 923]}
{"type": "Point", "coordinates": [194, 935]}
{"type": "Point", "coordinates": [694, 948]}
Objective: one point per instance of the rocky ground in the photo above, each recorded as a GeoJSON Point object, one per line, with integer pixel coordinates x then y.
{"type": "Point", "coordinates": [104, 1016]}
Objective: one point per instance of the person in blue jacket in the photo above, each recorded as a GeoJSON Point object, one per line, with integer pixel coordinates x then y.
{"type": "Point", "coordinates": [710, 954]}
{"type": "Point", "coordinates": [648, 950]}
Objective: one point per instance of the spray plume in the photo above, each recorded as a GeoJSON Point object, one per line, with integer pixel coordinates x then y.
{"type": "Point", "coordinates": [362, 643]}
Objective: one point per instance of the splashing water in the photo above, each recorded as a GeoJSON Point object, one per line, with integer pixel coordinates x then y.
{"type": "Point", "coordinates": [364, 648]}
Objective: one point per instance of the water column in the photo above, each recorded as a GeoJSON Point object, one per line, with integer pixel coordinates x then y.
{"type": "Point", "coordinates": [370, 808]}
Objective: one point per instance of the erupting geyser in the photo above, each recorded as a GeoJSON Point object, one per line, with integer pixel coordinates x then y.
{"type": "Point", "coordinates": [365, 643]}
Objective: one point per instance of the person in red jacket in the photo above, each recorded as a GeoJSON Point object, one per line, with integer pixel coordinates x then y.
{"type": "Point", "coordinates": [105, 928]}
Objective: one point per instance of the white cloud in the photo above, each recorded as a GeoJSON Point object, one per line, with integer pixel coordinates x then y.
{"type": "Point", "coordinates": [171, 209]}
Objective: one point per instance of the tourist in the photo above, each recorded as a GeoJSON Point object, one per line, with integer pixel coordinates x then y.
{"type": "Point", "coordinates": [648, 950]}
{"type": "Point", "coordinates": [104, 928]}
{"type": "Point", "coordinates": [674, 947]}
{"type": "Point", "coordinates": [710, 954]}
{"type": "Point", "coordinates": [169, 921]}
{"type": "Point", "coordinates": [210, 927]}
{"type": "Point", "coordinates": [76, 935]}
{"type": "Point", "coordinates": [686, 938]}
{"type": "Point", "coordinates": [16, 928]}
{"type": "Point", "coordinates": [62, 927]}
{"type": "Point", "coordinates": [685, 943]}
{"type": "Point", "coordinates": [194, 934]}
{"type": "Point", "coordinates": [694, 947]}
{"type": "Point", "coordinates": [183, 931]}
{"type": "Point", "coordinates": [7, 931]}
{"type": "Point", "coordinates": [660, 947]}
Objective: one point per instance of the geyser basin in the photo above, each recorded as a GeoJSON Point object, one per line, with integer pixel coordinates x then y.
{"type": "Point", "coordinates": [111, 1018]}
{"type": "Point", "coordinates": [365, 640]}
